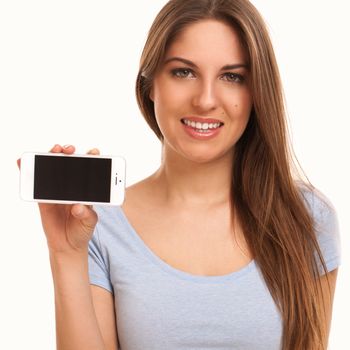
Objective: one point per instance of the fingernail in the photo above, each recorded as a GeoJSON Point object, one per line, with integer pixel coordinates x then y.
{"type": "Point", "coordinates": [66, 146]}
{"type": "Point", "coordinates": [79, 210]}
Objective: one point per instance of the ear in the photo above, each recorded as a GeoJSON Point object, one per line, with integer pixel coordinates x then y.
{"type": "Point", "coordinates": [151, 94]}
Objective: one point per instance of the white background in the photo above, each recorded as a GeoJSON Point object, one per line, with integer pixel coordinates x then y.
{"type": "Point", "coordinates": [67, 73]}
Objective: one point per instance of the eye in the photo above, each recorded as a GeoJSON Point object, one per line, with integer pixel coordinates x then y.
{"type": "Point", "coordinates": [181, 72]}
{"type": "Point", "coordinates": [234, 78]}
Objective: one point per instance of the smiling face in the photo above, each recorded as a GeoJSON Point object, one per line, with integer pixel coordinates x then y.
{"type": "Point", "coordinates": [201, 94]}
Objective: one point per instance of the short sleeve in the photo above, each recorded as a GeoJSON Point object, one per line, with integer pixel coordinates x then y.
{"type": "Point", "coordinates": [98, 270]}
{"type": "Point", "coordinates": [327, 231]}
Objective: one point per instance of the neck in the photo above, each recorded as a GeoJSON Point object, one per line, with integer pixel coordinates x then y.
{"type": "Point", "coordinates": [182, 182]}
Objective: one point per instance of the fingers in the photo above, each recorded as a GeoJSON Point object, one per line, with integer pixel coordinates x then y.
{"type": "Point", "coordinates": [56, 149]}
{"type": "Point", "coordinates": [94, 151]}
{"type": "Point", "coordinates": [85, 214]}
{"type": "Point", "coordinates": [70, 149]}
{"type": "Point", "coordinates": [67, 149]}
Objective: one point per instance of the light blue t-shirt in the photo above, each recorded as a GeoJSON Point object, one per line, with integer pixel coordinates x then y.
{"type": "Point", "coordinates": [159, 307]}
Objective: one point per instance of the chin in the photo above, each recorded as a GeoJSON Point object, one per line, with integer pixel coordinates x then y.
{"type": "Point", "coordinates": [206, 157]}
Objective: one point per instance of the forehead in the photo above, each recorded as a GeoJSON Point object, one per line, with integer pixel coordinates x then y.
{"type": "Point", "coordinates": [208, 41]}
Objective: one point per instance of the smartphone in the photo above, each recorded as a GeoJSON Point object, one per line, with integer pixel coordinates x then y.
{"type": "Point", "coordinates": [68, 179]}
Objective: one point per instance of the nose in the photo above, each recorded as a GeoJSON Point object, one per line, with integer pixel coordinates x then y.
{"type": "Point", "coordinates": [205, 98]}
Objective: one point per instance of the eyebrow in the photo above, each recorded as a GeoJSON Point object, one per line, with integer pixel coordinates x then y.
{"type": "Point", "coordinates": [190, 63]}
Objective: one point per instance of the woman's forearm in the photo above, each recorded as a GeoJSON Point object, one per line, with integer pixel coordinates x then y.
{"type": "Point", "coordinates": [76, 323]}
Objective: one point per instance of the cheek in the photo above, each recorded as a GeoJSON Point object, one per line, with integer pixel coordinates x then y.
{"type": "Point", "coordinates": [165, 102]}
{"type": "Point", "coordinates": [168, 96]}
{"type": "Point", "coordinates": [169, 102]}
{"type": "Point", "coordinates": [240, 108]}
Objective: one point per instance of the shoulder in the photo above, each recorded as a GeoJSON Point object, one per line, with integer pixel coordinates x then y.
{"type": "Point", "coordinates": [108, 216]}
{"type": "Point", "coordinates": [112, 220]}
{"type": "Point", "coordinates": [111, 228]}
{"type": "Point", "coordinates": [320, 206]}
{"type": "Point", "coordinates": [325, 222]}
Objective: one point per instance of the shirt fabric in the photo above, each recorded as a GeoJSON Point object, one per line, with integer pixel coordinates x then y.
{"type": "Point", "coordinates": [159, 307]}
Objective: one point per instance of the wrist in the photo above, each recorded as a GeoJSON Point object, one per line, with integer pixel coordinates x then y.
{"type": "Point", "coordinates": [69, 266]}
{"type": "Point", "coordinates": [68, 256]}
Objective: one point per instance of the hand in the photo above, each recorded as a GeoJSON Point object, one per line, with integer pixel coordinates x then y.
{"type": "Point", "coordinates": [68, 228]}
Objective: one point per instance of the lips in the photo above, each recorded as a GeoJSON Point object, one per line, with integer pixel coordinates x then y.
{"type": "Point", "coordinates": [202, 128]}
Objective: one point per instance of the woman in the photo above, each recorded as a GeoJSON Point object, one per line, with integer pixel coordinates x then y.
{"type": "Point", "coordinates": [222, 247]}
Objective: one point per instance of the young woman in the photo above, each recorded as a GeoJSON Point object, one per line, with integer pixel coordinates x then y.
{"type": "Point", "coordinates": [223, 247]}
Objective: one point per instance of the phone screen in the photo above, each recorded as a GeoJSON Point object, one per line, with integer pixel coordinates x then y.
{"type": "Point", "coordinates": [72, 178]}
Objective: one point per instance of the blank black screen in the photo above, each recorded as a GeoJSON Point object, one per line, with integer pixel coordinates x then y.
{"type": "Point", "coordinates": [72, 178]}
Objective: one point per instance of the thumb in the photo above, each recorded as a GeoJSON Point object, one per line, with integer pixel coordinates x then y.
{"type": "Point", "coordinates": [86, 215]}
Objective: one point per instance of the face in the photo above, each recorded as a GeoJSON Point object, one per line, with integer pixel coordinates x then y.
{"type": "Point", "coordinates": [201, 93]}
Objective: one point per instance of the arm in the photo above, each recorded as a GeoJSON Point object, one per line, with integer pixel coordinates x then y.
{"type": "Point", "coordinates": [105, 312]}
{"type": "Point", "coordinates": [77, 322]}
{"type": "Point", "coordinates": [328, 293]}
{"type": "Point", "coordinates": [84, 315]}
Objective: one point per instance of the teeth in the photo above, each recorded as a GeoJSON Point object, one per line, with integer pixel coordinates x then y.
{"type": "Point", "coordinates": [201, 126]}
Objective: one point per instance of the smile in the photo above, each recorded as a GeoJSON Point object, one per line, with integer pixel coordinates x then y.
{"type": "Point", "coordinates": [203, 131]}
{"type": "Point", "coordinates": [201, 127]}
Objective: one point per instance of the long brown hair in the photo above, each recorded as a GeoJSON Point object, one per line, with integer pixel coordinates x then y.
{"type": "Point", "coordinates": [277, 224]}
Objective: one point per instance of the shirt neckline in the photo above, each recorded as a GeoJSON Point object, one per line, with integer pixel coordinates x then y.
{"type": "Point", "coordinates": [179, 273]}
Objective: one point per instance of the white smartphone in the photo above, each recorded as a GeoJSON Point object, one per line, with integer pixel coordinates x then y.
{"type": "Point", "coordinates": [68, 179]}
